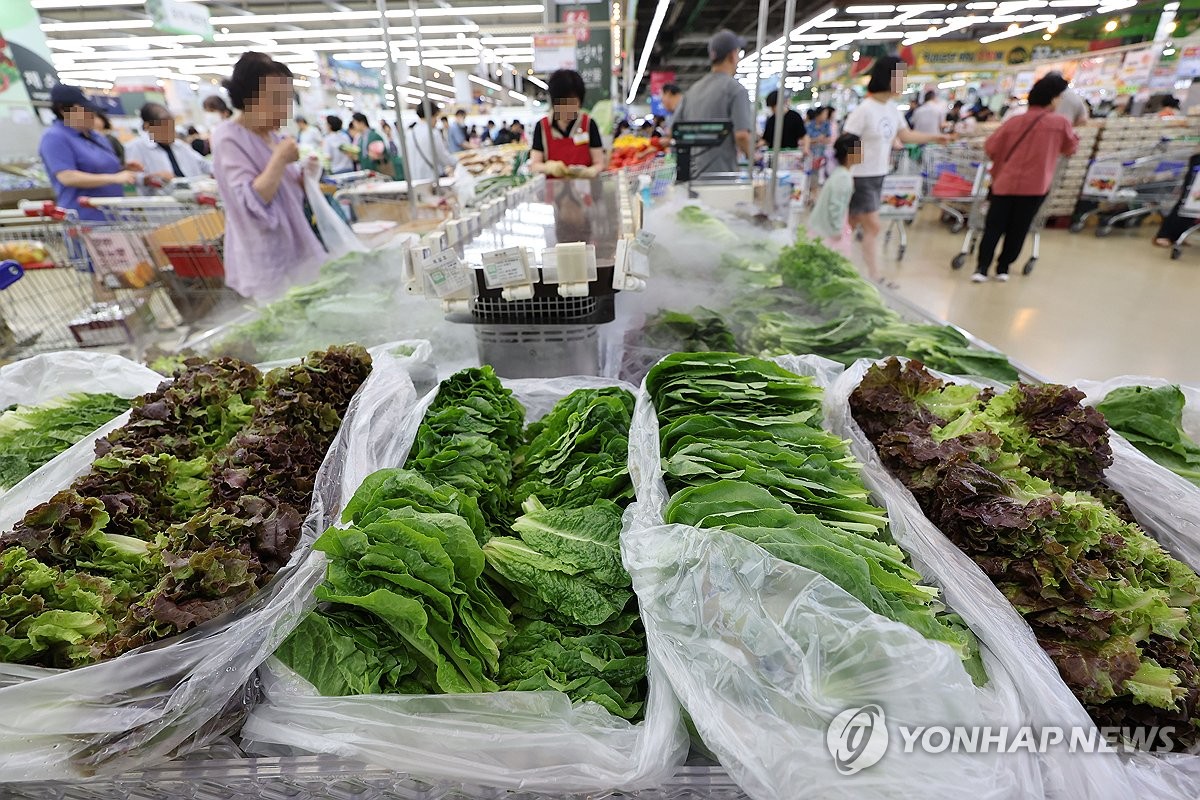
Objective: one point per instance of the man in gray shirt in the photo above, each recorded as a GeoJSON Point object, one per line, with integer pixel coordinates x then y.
{"type": "Point", "coordinates": [719, 97]}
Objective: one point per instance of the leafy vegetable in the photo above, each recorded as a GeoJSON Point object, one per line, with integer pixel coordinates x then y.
{"type": "Point", "coordinates": [188, 509]}
{"type": "Point", "coordinates": [1012, 479]}
{"type": "Point", "coordinates": [696, 331]}
{"type": "Point", "coordinates": [32, 435]}
{"type": "Point", "coordinates": [761, 470]}
{"type": "Point", "coordinates": [1151, 419]}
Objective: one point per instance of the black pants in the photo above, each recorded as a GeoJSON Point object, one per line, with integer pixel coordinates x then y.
{"type": "Point", "coordinates": [1009, 216]}
{"type": "Point", "coordinates": [1173, 225]}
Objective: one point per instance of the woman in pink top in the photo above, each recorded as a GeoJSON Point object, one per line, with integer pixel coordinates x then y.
{"type": "Point", "coordinates": [269, 244]}
{"type": "Point", "coordinates": [1024, 153]}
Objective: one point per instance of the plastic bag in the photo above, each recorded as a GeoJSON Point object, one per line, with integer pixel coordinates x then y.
{"type": "Point", "coordinates": [42, 378]}
{"type": "Point", "coordinates": [764, 654]}
{"type": "Point", "coordinates": [464, 186]}
{"type": "Point", "coordinates": [536, 741]}
{"type": "Point", "coordinates": [1046, 699]}
{"type": "Point", "coordinates": [172, 696]}
{"type": "Point", "coordinates": [336, 235]}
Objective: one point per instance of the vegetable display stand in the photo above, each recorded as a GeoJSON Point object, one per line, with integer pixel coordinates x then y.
{"type": "Point", "coordinates": [44, 280]}
{"type": "Point", "coordinates": [221, 775]}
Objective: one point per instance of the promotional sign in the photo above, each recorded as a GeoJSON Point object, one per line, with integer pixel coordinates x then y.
{"type": "Point", "coordinates": [659, 79]}
{"type": "Point", "coordinates": [1136, 69]}
{"type": "Point", "coordinates": [349, 75]}
{"type": "Point", "coordinates": [942, 57]}
{"type": "Point", "coordinates": [553, 51]}
{"type": "Point", "coordinates": [1101, 180]}
{"type": "Point", "coordinates": [26, 77]}
{"type": "Point", "coordinates": [180, 16]}
{"type": "Point", "coordinates": [593, 49]}
{"type": "Point", "coordinates": [901, 194]}
{"type": "Point", "coordinates": [1188, 61]}
{"type": "Point", "coordinates": [1162, 78]}
{"type": "Point", "coordinates": [1023, 83]}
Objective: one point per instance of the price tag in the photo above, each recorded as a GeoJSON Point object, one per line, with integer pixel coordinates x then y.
{"type": "Point", "coordinates": [445, 274]}
{"type": "Point", "coordinates": [644, 239]}
{"type": "Point", "coordinates": [505, 267]}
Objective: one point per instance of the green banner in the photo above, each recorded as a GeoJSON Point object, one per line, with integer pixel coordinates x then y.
{"type": "Point", "coordinates": [27, 75]}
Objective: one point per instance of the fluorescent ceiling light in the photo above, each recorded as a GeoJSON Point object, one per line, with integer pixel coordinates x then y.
{"type": "Point", "coordinates": [80, 27]}
{"type": "Point", "coordinates": [870, 9]}
{"type": "Point", "coordinates": [660, 13]}
{"type": "Point", "coordinates": [1037, 26]}
{"type": "Point", "coordinates": [838, 23]}
{"type": "Point", "coordinates": [884, 35]}
{"type": "Point", "coordinates": [537, 82]}
{"type": "Point", "coordinates": [453, 11]}
{"type": "Point", "coordinates": [66, 4]}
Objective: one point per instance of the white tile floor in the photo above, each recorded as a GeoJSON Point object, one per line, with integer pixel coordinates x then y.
{"type": "Point", "coordinates": [1092, 308]}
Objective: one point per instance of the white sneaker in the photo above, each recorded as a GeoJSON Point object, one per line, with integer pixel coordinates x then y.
{"type": "Point", "coordinates": [978, 277]}
{"type": "Point", "coordinates": [1002, 277]}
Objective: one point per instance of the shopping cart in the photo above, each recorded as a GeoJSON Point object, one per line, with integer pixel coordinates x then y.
{"type": "Point", "coordinates": [151, 243]}
{"type": "Point", "coordinates": [954, 175]}
{"type": "Point", "coordinates": [388, 201]}
{"type": "Point", "coordinates": [659, 173]}
{"type": "Point", "coordinates": [47, 297]}
{"type": "Point", "coordinates": [1134, 184]}
{"type": "Point", "coordinates": [977, 219]}
{"type": "Point", "coordinates": [900, 201]}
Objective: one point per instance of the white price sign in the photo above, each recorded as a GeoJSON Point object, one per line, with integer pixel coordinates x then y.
{"type": "Point", "coordinates": [644, 240]}
{"type": "Point", "coordinates": [445, 274]}
{"type": "Point", "coordinates": [505, 267]}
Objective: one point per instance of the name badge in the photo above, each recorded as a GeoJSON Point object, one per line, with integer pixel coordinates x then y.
{"type": "Point", "coordinates": [581, 138]}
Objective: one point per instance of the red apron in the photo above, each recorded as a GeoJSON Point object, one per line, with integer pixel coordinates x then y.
{"type": "Point", "coordinates": [574, 150]}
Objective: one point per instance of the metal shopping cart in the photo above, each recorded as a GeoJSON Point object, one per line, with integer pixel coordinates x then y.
{"type": "Point", "coordinates": [388, 201]}
{"type": "Point", "coordinates": [48, 300]}
{"type": "Point", "coordinates": [1134, 184]}
{"type": "Point", "coordinates": [977, 218]}
{"type": "Point", "coordinates": [175, 244]}
{"type": "Point", "coordinates": [954, 178]}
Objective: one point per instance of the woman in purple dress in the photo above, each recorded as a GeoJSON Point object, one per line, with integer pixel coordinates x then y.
{"type": "Point", "coordinates": [269, 244]}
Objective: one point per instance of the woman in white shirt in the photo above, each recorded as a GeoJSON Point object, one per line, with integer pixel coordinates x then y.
{"type": "Point", "coordinates": [430, 159]}
{"type": "Point", "coordinates": [335, 141]}
{"type": "Point", "coordinates": [878, 123]}
{"type": "Point", "coordinates": [161, 154]}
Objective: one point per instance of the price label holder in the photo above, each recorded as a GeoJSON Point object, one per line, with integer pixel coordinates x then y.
{"type": "Point", "coordinates": [572, 266]}
{"type": "Point", "coordinates": [446, 277]}
{"type": "Point", "coordinates": [503, 269]}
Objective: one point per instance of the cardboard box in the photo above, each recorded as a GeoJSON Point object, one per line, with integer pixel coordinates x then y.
{"type": "Point", "coordinates": [204, 228]}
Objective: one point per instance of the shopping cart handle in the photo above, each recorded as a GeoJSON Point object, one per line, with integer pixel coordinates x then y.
{"type": "Point", "coordinates": [41, 208]}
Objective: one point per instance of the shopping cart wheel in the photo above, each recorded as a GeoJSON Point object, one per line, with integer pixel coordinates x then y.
{"type": "Point", "coordinates": [958, 261]}
{"type": "Point", "coordinates": [1176, 252]}
{"type": "Point", "coordinates": [900, 253]}
{"type": "Point", "coordinates": [957, 227]}
{"type": "Point", "coordinates": [1077, 226]}
{"type": "Point", "coordinates": [1029, 266]}
{"type": "Point", "coordinates": [1103, 230]}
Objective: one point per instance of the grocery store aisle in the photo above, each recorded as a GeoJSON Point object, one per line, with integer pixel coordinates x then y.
{"type": "Point", "coordinates": [1092, 308]}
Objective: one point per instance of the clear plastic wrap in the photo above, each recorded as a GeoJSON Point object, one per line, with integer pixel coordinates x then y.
{"type": "Point", "coordinates": [1045, 698]}
{"type": "Point", "coordinates": [764, 654]}
{"type": "Point", "coordinates": [532, 741]}
{"type": "Point", "coordinates": [174, 695]}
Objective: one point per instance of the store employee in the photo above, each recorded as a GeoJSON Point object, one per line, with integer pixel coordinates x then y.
{"type": "Point", "coordinates": [79, 161]}
{"type": "Point", "coordinates": [164, 156]}
{"type": "Point", "coordinates": [566, 138]}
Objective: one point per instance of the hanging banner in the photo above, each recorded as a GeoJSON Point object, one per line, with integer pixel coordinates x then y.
{"type": "Point", "coordinates": [1023, 83]}
{"type": "Point", "coordinates": [1187, 64]}
{"type": "Point", "coordinates": [1162, 78]}
{"type": "Point", "coordinates": [1136, 69]}
{"type": "Point", "coordinates": [181, 17]}
{"type": "Point", "coordinates": [593, 49]}
{"type": "Point", "coordinates": [944, 57]}
{"type": "Point", "coordinates": [350, 76]}
{"type": "Point", "coordinates": [553, 51]}
{"type": "Point", "coordinates": [659, 79]}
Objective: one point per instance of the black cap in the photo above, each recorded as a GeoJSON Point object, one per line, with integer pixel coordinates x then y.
{"type": "Point", "coordinates": [64, 95]}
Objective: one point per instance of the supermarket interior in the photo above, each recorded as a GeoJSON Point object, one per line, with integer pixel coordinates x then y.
{"type": "Point", "coordinates": [705, 400]}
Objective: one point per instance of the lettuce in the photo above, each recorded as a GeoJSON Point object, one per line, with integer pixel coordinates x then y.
{"type": "Point", "coordinates": [1151, 419]}
{"type": "Point", "coordinates": [32, 435]}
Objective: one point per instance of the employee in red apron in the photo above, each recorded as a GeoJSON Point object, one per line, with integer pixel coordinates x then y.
{"type": "Point", "coordinates": [567, 142]}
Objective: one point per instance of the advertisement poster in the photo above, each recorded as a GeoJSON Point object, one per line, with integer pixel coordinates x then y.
{"type": "Point", "coordinates": [553, 51]}
{"type": "Point", "coordinates": [1023, 83]}
{"type": "Point", "coordinates": [350, 76]}
{"type": "Point", "coordinates": [1188, 61]}
{"type": "Point", "coordinates": [943, 57]}
{"type": "Point", "coordinates": [659, 79]}
{"type": "Point", "coordinates": [1135, 70]}
{"type": "Point", "coordinates": [593, 47]}
{"type": "Point", "coordinates": [901, 195]}
{"type": "Point", "coordinates": [180, 17]}
{"type": "Point", "coordinates": [1101, 180]}
{"type": "Point", "coordinates": [27, 75]}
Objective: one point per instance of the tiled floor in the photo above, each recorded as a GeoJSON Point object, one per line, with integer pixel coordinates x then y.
{"type": "Point", "coordinates": [1092, 308]}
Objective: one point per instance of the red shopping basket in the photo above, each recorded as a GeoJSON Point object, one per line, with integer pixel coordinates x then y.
{"type": "Point", "coordinates": [195, 260]}
{"type": "Point", "coordinates": [951, 184]}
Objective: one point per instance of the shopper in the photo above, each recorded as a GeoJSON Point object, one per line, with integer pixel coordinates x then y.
{"type": "Point", "coordinates": [672, 96]}
{"type": "Point", "coordinates": [372, 149]}
{"type": "Point", "coordinates": [489, 133]}
{"type": "Point", "coordinates": [1024, 153]}
{"type": "Point", "coordinates": [335, 145]}
{"type": "Point", "coordinates": [79, 161]}
{"type": "Point", "coordinates": [1170, 107]}
{"type": "Point", "coordinates": [567, 137]}
{"type": "Point", "coordinates": [310, 138]}
{"type": "Point", "coordinates": [430, 158]}
{"type": "Point", "coordinates": [269, 244]}
{"type": "Point", "coordinates": [793, 136]}
{"type": "Point", "coordinates": [1071, 106]}
{"type": "Point", "coordinates": [215, 112]}
{"type": "Point", "coordinates": [831, 212]}
{"type": "Point", "coordinates": [196, 141]}
{"type": "Point", "coordinates": [621, 129]}
{"type": "Point", "coordinates": [103, 126]}
{"type": "Point", "coordinates": [458, 137]}
{"type": "Point", "coordinates": [503, 136]}
{"type": "Point", "coordinates": [719, 97]}
{"type": "Point", "coordinates": [163, 156]}
{"type": "Point", "coordinates": [878, 123]}
{"type": "Point", "coordinates": [388, 138]}
{"type": "Point", "coordinates": [930, 116]}
{"type": "Point", "coordinates": [1174, 224]}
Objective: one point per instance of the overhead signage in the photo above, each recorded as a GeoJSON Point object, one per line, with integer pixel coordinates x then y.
{"type": "Point", "coordinates": [553, 51]}
{"type": "Point", "coordinates": [180, 17]}
{"type": "Point", "coordinates": [943, 57]}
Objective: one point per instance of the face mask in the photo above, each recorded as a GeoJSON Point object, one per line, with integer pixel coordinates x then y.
{"type": "Point", "coordinates": [212, 119]}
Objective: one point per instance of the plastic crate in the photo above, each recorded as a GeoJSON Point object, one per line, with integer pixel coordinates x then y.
{"type": "Point", "coordinates": [195, 260]}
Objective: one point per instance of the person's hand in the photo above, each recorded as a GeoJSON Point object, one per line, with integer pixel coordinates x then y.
{"type": "Point", "coordinates": [555, 169]}
{"type": "Point", "coordinates": [312, 167]}
{"type": "Point", "coordinates": [126, 177]}
{"type": "Point", "coordinates": [946, 138]}
{"type": "Point", "coordinates": [136, 166]}
{"type": "Point", "coordinates": [286, 150]}
{"type": "Point", "coordinates": [589, 172]}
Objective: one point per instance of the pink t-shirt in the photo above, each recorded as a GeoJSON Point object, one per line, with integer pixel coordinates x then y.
{"type": "Point", "coordinates": [268, 246]}
{"type": "Point", "coordinates": [1025, 150]}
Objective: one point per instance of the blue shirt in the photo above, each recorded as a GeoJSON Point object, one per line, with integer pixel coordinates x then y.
{"type": "Point", "coordinates": [458, 137]}
{"type": "Point", "coordinates": [66, 148]}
